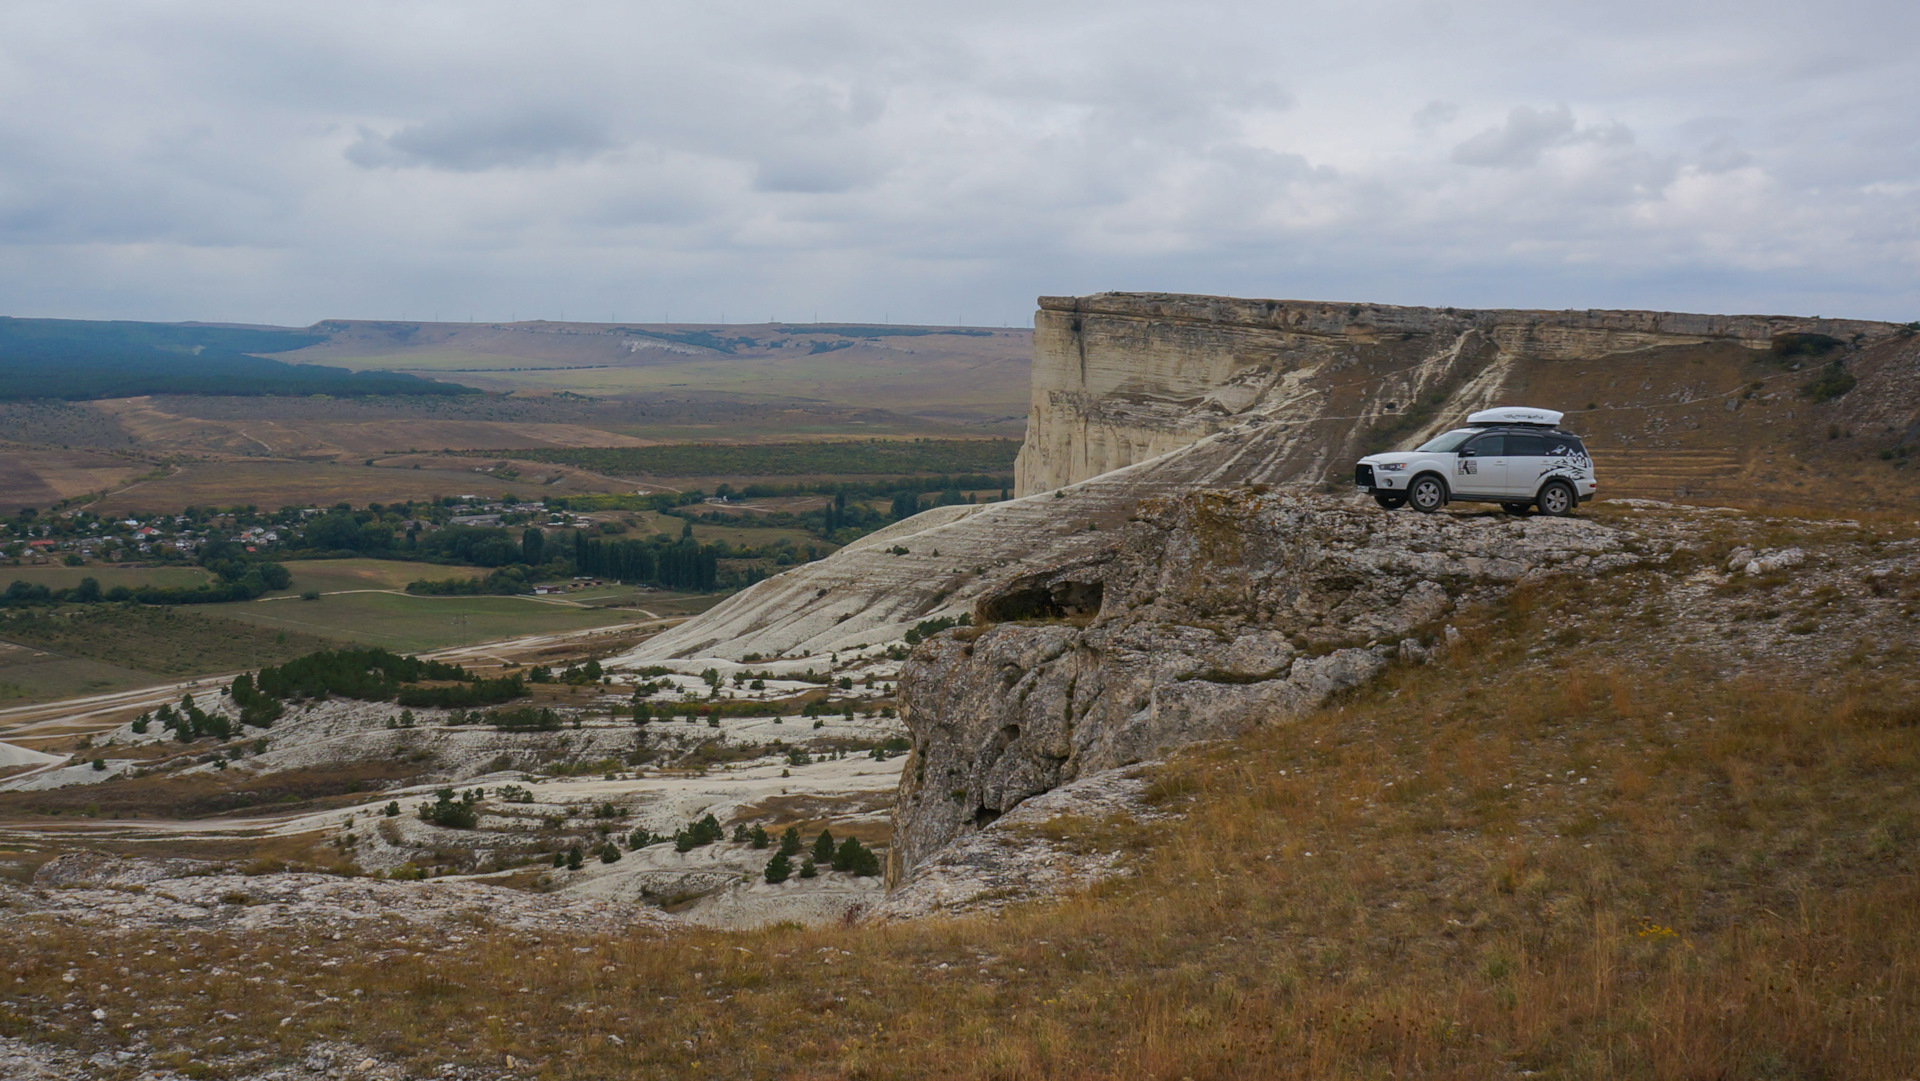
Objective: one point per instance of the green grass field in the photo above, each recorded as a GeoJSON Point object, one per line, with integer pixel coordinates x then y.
{"type": "Point", "coordinates": [25, 677]}
{"type": "Point", "coordinates": [139, 645]}
{"type": "Point", "coordinates": [652, 522]}
{"type": "Point", "coordinates": [108, 575]}
{"type": "Point", "coordinates": [401, 622]}
{"type": "Point", "coordinates": [337, 575]}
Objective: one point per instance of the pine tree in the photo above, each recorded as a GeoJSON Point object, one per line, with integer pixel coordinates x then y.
{"type": "Point", "coordinates": [779, 867]}
{"type": "Point", "coordinates": [559, 858]}
{"type": "Point", "coordinates": [790, 842]}
{"type": "Point", "coordinates": [758, 836]}
{"type": "Point", "coordinates": [823, 847]}
{"type": "Point", "coordinates": [574, 858]}
{"type": "Point", "coordinates": [609, 853]}
{"type": "Point", "coordinates": [808, 869]}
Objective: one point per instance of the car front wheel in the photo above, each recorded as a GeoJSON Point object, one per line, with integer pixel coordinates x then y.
{"type": "Point", "coordinates": [1427, 494]}
{"type": "Point", "coordinates": [1390, 500]}
{"type": "Point", "coordinates": [1556, 499]}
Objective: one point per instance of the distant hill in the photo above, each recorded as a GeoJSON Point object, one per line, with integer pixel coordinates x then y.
{"type": "Point", "coordinates": [77, 360]}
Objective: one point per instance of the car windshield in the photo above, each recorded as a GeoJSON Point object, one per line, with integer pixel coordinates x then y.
{"type": "Point", "coordinates": [1448, 443]}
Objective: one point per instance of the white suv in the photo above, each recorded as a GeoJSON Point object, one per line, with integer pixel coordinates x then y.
{"type": "Point", "coordinates": [1518, 458]}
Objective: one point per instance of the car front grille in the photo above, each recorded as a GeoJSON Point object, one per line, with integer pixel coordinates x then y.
{"type": "Point", "coordinates": [1363, 475]}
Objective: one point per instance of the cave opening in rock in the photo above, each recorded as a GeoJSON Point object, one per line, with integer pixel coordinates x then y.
{"type": "Point", "coordinates": [1061, 600]}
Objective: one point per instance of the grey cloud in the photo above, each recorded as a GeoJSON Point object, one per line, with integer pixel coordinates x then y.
{"type": "Point", "coordinates": [1435, 114]}
{"type": "Point", "coordinates": [174, 161]}
{"type": "Point", "coordinates": [475, 144]}
{"type": "Point", "coordinates": [1520, 141]}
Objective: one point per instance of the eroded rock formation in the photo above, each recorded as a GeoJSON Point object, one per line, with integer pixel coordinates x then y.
{"type": "Point", "coordinates": [1122, 377]}
{"type": "Point", "coordinates": [1209, 613]}
{"type": "Point", "coordinates": [1137, 396]}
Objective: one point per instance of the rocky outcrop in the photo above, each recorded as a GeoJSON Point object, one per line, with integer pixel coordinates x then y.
{"type": "Point", "coordinates": [1139, 395]}
{"type": "Point", "coordinates": [1122, 377]}
{"type": "Point", "coordinates": [1209, 613]}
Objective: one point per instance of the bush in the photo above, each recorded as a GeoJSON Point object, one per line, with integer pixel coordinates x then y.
{"type": "Point", "coordinates": [855, 858]}
{"type": "Point", "coordinates": [779, 867]}
{"type": "Point", "coordinates": [1831, 383]}
{"type": "Point", "coordinates": [574, 860]}
{"type": "Point", "coordinates": [392, 809]}
{"type": "Point", "coordinates": [451, 812]}
{"type": "Point", "coordinates": [643, 837]}
{"type": "Point", "coordinates": [808, 869]}
{"type": "Point", "coordinates": [609, 853]}
{"type": "Point", "coordinates": [704, 832]}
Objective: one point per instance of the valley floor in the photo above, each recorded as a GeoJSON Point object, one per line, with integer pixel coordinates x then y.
{"type": "Point", "coordinates": [1658, 823]}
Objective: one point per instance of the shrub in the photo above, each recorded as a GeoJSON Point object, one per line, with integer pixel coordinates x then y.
{"type": "Point", "coordinates": [451, 812]}
{"type": "Point", "coordinates": [609, 853]}
{"type": "Point", "coordinates": [855, 858]}
{"type": "Point", "coordinates": [808, 869]}
{"type": "Point", "coordinates": [704, 832]}
{"type": "Point", "coordinates": [392, 809]}
{"type": "Point", "coordinates": [779, 867]}
{"type": "Point", "coordinates": [1831, 383]}
{"type": "Point", "coordinates": [574, 859]}
{"type": "Point", "coordinates": [643, 837]}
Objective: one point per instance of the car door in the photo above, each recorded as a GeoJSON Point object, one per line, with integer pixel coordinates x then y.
{"type": "Point", "coordinates": [1480, 469]}
{"type": "Point", "coordinates": [1526, 466]}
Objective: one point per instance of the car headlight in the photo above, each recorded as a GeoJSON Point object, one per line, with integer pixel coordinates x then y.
{"type": "Point", "coordinates": [1390, 467]}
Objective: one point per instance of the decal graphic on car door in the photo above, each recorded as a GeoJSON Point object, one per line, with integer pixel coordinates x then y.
{"type": "Point", "coordinates": [1481, 469]}
{"type": "Point", "coordinates": [1528, 465]}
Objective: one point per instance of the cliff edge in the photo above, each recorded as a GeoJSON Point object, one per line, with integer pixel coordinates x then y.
{"type": "Point", "coordinates": [1210, 613]}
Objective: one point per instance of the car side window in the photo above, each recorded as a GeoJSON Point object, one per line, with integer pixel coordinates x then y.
{"type": "Point", "coordinates": [1564, 447]}
{"type": "Point", "coordinates": [1487, 446]}
{"type": "Point", "coordinates": [1527, 446]}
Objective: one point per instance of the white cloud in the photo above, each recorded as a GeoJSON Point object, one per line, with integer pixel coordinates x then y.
{"type": "Point", "coordinates": [213, 159]}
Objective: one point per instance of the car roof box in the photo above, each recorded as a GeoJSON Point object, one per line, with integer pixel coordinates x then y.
{"type": "Point", "coordinates": [1513, 414]}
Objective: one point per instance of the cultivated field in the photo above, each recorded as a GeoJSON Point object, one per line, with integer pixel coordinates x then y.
{"type": "Point", "coordinates": [271, 484]}
{"type": "Point", "coordinates": [401, 622]}
{"type": "Point", "coordinates": [108, 575]}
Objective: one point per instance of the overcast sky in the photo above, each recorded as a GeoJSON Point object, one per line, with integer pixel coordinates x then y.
{"type": "Point", "coordinates": [279, 162]}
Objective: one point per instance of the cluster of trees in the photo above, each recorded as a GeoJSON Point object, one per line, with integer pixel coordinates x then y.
{"type": "Point", "coordinates": [237, 582]}
{"type": "Point", "coordinates": [682, 564]}
{"type": "Point", "coordinates": [865, 457]}
{"type": "Point", "coordinates": [79, 359]}
{"type": "Point", "coordinates": [370, 675]}
{"type": "Point", "coordinates": [848, 856]}
{"type": "Point", "coordinates": [524, 719]}
{"type": "Point", "coordinates": [927, 628]}
{"type": "Point", "coordinates": [575, 674]}
{"type": "Point", "coordinates": [504, 582]}
{"type": "Point", "coordinates": [190, 722]}
{"type": "Point", "coordinates": [453, 812]}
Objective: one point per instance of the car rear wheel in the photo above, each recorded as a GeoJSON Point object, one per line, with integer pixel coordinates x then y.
{"type": "Point", "coordinates": [1390, 500]}
{"type": "Point", "coordinates": [1516, 508]}
{"type": "Point", "coordinates": [1427, 494]}
{"type": "Point", "coordinates": [1556, 499]}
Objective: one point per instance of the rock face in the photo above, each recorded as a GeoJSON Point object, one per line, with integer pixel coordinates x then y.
{"type": "Point", "coordinates": [1122, 377]}
{"type": "Point", "coordinates": [1210, 613]}
{"type": "Point", "coordinates": [1137, 396]}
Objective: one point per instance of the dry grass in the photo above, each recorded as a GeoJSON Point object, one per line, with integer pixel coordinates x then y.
{"type": "Point", "coordinates": [1577, 864]}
